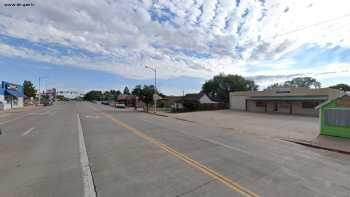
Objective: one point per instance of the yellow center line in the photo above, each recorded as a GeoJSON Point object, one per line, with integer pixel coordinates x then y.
{"type": "Point", "coordinates": [210, 172]}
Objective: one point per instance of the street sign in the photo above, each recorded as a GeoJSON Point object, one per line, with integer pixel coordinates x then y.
{"type": "Point", "coordinates": [156, 97]}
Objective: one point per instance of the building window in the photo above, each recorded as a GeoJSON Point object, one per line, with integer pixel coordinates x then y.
{"type": "Point", "coordinates": [310, 104]}
{"type": "Point", "coordinates": [260, 104]}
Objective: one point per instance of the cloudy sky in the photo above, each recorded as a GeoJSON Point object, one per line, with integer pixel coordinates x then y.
{"type": "Point", "coordinates": [105, 44]}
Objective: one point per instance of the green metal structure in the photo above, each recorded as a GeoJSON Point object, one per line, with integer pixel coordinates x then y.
{"type": "Point", "coordinates": [335, 118]}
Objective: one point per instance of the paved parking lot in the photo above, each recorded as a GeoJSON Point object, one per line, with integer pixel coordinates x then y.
{"type": "Point", "coordinates": [265, 125]}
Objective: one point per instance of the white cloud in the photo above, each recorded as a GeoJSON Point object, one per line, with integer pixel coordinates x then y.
{"type": "Point", "coordinates": [230, 38]}
{"type": "Point", "coordinates": [320, 72]}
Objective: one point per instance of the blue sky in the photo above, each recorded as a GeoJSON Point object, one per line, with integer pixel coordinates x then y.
{"type": "Point", "coordinates": [72, 78]}
{"type": "Point", "coordinates": [84, 45]}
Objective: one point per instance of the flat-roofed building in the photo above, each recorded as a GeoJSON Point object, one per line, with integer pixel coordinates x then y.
{"type": "Point", "coordinates": [11, 96]}
{"type": "Point", "coordinates": [299, 101]}
{"type": "Point", "coordinates": [69, 94]}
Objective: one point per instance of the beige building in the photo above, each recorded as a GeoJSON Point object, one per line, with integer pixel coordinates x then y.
{"type": "Point", "coordinates": [299, 101]}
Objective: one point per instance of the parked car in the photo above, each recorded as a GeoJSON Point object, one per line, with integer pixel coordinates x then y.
{"type": "Point", "coordinates": [105, 103]}
{"type": "Point", "coordinates": [47, 103]}
{"type": "Point", "coordinates": [120, 105]}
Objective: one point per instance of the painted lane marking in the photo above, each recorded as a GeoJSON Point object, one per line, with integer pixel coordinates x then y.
{"type": "Point", "coordinates": [231, 184]}
{"type": "Point", "coordinates": [28, 131]}
{"type": "Point", "coordinates": [11, 120]}
{"type": "Point", "coordinates": [93, 117]}
{"type": "Point", "coordinates": [89, 189]}
{"type": "Point", "coordinates": [206, 170]}
{"type": "Point", "coordinates": [205, 139]}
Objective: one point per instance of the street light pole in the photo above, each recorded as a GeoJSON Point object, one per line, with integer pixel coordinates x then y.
{"type": "Point", "coordinates": [155, 90]}
{"type": "Point", "coordinates": [39, 88]}
{"type": "Point", "coordinates": [155, 87]}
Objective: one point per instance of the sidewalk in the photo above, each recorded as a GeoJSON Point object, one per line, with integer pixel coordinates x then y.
{"type": "Point", "coordinates": [264, 125]}
{"type": "Point", "coordinates": [18, 110]}
{"type": "Point", "coordinates": [290, 130]}
{"type": "Point", "coordinates": [335, 144]}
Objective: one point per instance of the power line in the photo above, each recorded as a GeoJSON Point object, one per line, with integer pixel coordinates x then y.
{"type": "Point", "coordinates": [310, 26]}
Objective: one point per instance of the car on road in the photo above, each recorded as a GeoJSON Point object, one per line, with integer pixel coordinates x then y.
{"type": "Point", "coordinates": [120, 105]}
{"type": "Point", "coordinates": [47, 102]}
{"type": "Point", "coordinates": [105, 103]}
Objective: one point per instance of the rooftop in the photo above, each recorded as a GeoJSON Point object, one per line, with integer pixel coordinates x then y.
{"type": "Point", "coordinates": [282, 92]}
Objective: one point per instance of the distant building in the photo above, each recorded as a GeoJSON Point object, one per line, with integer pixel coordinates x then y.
{"type": "Point", "coordinates": [128, 100]}
{"type": "Point", "coordinates": [194, 102]}
{"type": "Point", "coordinates": [201, 98]}
{"type": "Point", "coordinates": [169, 101]}
{"type": "Point", "coordinates": [300, 101]}
{"type": "Point", "coordinates": [69, 94]}
{"type": "Point", "coordinates": [50, 94]}
{"type": "Point", "coordinates": [11, 96]}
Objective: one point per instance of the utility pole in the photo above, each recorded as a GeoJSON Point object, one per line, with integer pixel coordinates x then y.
{"type": "Point", "coordinates": [155, 95]}
{"type": "Point", "coordinates": [39, 88]}
{"type": "Point", "coordinates": [155, 90]}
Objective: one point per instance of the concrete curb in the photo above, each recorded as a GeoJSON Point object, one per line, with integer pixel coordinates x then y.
{"type": "Point", "coordinates": [157, 114]}
{"type": "Point", "coordinates": [88, 182]}
{"type": "Point", "coordinates": [313, 145]}
{"type": "Point", "coordinates": [185, 120]}
{"type": "Point", "coordinates": [19, 110]}
{"type": "Point", "coordinates": [160, 115]}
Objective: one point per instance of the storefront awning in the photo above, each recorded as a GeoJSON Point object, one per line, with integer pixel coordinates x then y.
{"type": "Point", "coordinates": [289, 98]}
{"type": "Point", "coordinates": [13, 93]}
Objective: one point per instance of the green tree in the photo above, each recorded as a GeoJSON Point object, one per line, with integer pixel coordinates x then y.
{"type": "Point", "coordinates": [29, 89]}
{"type": "Point", "coordinates": [115, 93]}
{"type": "Point", "coordinates": [307, 82]}
{"type": "Point", "coordinates": [137, 91]}
{"type": "Point", "coordinates": [341, 86]}
{"type": "Point", "coordinates": [221, 85]}
{"type": "Point", "coordinates": [147, 95]}
{"type": "Point", "coordinates": [126, 90]}
{"type": "Point", "coordinates": [275, 85]}
{"type": "Point", "coordinates": [107, 95]}
{"type": "Point", "coordinates": [93, 95]}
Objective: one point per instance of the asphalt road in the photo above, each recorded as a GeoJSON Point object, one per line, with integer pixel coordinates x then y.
{"type": "Point", "coordinates": [39, 153]}
{"type": "Point", "coordinates": [138, 154]}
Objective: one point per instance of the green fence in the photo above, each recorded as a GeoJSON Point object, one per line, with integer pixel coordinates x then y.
{"type": "Point", "coordinates": [335, 121]}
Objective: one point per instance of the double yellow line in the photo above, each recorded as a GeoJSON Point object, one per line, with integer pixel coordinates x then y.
{"type": "Point", "coordinates": [226, 181]}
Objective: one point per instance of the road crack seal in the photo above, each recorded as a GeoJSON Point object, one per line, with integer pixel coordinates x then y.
{"type": "Point", "coordinates": [195, 188]}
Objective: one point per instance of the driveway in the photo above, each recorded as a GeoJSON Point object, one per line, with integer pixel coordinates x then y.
{"type": "Point", "coordinates": [266, 125]}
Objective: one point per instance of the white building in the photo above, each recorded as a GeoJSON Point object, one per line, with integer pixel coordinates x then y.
{"type": "Point", "coordinates": [70, 94]}
{"type": "Point", "coordinates": [299, 101]}
{"type": "Point", "coordinates": [11, 96]}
